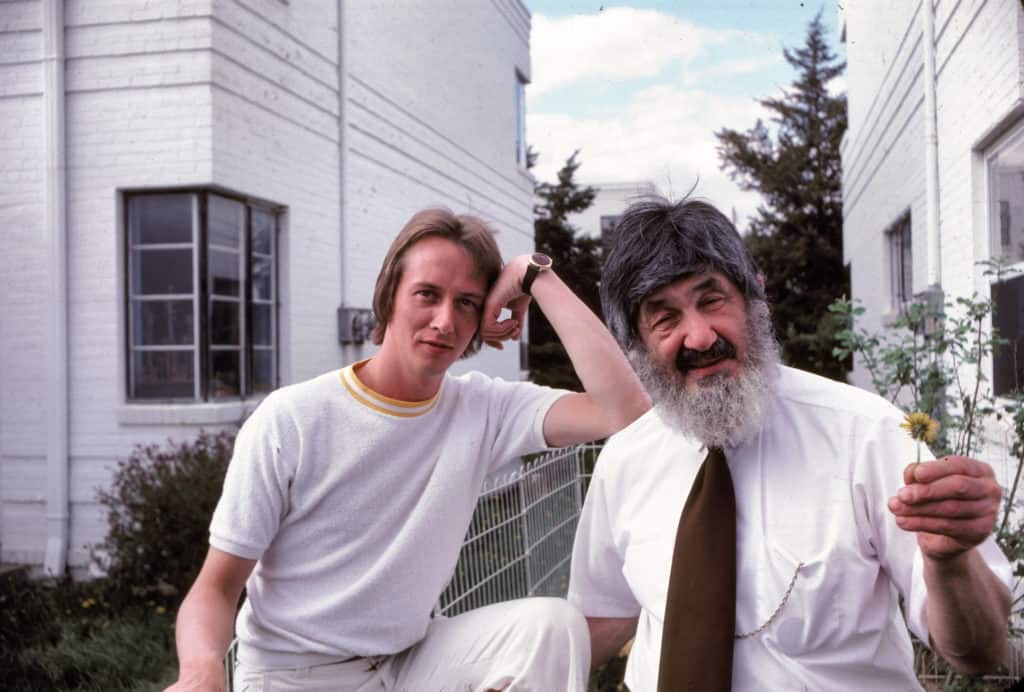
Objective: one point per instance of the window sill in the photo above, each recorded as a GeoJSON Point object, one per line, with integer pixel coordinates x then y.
{"type": "Point", "coordinates": [891, 316]}
{"type": "Point", "coordinates": [221, 413]}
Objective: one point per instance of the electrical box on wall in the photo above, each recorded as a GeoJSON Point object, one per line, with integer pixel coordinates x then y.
{"type": "Point", "coordinates": [355, 324]}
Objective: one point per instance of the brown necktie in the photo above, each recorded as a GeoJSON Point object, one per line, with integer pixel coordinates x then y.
{"type": "Point", "coordinates": [700, 615]}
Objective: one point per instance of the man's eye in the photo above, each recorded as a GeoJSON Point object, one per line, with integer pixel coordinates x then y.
{"type": "Point", "coordinates": [711, 301]}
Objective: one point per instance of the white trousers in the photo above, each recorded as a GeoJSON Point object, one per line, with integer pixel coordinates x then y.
{"type": "Point", "coordinates": [529, 645]}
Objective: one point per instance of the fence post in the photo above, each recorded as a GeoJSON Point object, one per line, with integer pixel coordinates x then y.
{"type": "Point", "coordinates": [521, 486]}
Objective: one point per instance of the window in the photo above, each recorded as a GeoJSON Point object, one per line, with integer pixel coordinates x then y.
{"type": "Point", "coordinates": [520, 120]}
{"type": "Point", "coordinates": [901, 267]}
{"type": "Point", "coordinates": [201, 297]}
{"type": "Point", "coordinates": [1006, 241]}
{"type": "Point", "coordinates": [608, 224]}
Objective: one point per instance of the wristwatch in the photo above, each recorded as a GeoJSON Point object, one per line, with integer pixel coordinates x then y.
{"type": "Point", "coordinates": [539, 262]}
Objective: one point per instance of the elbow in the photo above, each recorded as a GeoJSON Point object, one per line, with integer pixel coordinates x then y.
{"type": "Point", "coordinates": [982, 661]}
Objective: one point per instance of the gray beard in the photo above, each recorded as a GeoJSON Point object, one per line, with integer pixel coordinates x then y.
{"type": "Point", "coordinates": [721, 410]}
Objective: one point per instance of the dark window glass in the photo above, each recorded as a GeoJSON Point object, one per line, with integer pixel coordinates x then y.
{"type": "Point", "coordinates": [901, 263]}
{"type": "Point", "coordinates": [225, 220]}
{"type": "Point", "coordinates": [261, 325]}
{"type": "Point", "coordinates": [1008, 320]}
{"type": "Point", "coordinates": [225, 274]}
{"type": "Point", "coordinates": [225, 374]}
{"type": "Point", "coordinates": [1006, 172]}
{"type": "Point", "coordinates": [162, 272]}
{"type": "Point", "coordinates": [163, 374]}
{"type": "Point", "coordinates": [160, 219]}
{"type": "Point", "coordinates": [262, 370]}
{"type": "Point", "coordinates": [263, 224]}
{"type": "Point", "coordinates": [224, 323]}
{"type": "Point", "coordinates": [163, 323]}
{"type": "Point", "coordinates": [225, 320]}
{"type": "Point", "coordinates": [262, 277]}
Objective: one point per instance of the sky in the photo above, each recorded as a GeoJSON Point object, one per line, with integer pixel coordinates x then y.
{"type": "Point", "coordinates": [641, 88]}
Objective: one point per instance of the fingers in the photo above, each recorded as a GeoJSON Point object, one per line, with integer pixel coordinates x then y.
{"type": "Point", "coordinates": [950, 487]}
{"type": "Point", "coordinates": [966, 532]}
{"type": "Point", "coordinates": [952, 504]}
{"type": "Point", "coordinates": [928, 471]}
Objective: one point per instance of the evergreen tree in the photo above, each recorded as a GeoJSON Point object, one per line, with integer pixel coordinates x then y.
{"type": "Point", "coordinates": [796, 236]}
{"type": "Point", "coordinates": [577, 259]}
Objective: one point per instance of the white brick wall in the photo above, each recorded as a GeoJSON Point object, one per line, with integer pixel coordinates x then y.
{"type": "Point", "coordinates": [978, 63]}
{"type": "Point", "coordinates": [242, 95]}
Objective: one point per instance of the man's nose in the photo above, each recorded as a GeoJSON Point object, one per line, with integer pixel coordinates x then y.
{"type": "Point", "coordinates": [698, 335]}
{"type": "Point", "coordinates": [444, 318]}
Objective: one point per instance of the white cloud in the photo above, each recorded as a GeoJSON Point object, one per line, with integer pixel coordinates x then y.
{"type": "Point", "coordinates": [663, 134]}
{"type": "Point", "coordinates": [617, 43]}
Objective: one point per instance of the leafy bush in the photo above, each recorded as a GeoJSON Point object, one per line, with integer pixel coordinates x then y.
{"type": "Point", "coordinates": [933, 360]}
{"type": "Point", "coordinates": [159, 509]}
{"type": "Point", "coordinates": [67, 636]}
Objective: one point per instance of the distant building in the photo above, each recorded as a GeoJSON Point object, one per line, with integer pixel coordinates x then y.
{"type": "Point", "coordinates": [190, 191]}
{"type": "Point", "coordinates": [933, 162]}
{"type": "Point", "coordinates": [611, 200]}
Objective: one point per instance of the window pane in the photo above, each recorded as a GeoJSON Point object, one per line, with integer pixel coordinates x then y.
{"type": "Point", "coordinates": [224, 323]}
{"type": "Point", "coordinates": [263, 232]}
{"type": "Point", "coordinates": [1007, 174]}
{"type": "Point", "coordinates": [159, 272]}
{"type": "Point", "coordinates": [225, 219]}
{"type": "Point", "coordinates": [224, 374]}
{"type": "Point", "coordinates": [1008, 360]}
{"type": "Point", "coordinates": [160, 218]}
{"type": "Point", "coordinates": [162, 323]}
{"type": "Point", "coordinates": [907, 268]}
{"type": "Point", "coordinates": [262, 276]}
{"type": "Point", "coordinates": [163, 375]}
{"type": "Point", "coordinates": [224, 273]}
{"type": "Point", "coordinates": [262, 370]}
{"type": "Point", "coordinates": [261, 328]}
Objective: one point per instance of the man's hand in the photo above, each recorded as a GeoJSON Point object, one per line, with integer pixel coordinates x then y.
{"type": "Point", "coordinates": [507, 292]}
{"type": "Point", "coordinates": [208, 679]}
{"type": "Point", "coordinates": [951, 503]}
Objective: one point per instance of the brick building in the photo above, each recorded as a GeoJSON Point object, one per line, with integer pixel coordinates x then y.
{"type": "Point", "coordinates": [933, 163]}
{"type": "Point", "coordinates": [189, 192]}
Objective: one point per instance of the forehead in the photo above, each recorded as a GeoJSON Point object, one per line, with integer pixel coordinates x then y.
{"type": "Point", "coordinates": [440, 260]}
{"type": "Point", "coordinates": [688, 288]}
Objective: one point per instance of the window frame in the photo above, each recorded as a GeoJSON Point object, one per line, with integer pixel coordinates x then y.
{"type": "Point", "coordinates": [899, 249]}
{"type": "Point", "coordinates": [520, 115]}
{"type": "Point", "coordinates": [999, 228]}
{"type": "Point", "coordinates": [202, 298]}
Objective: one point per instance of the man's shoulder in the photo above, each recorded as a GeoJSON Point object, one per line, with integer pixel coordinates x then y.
{"type": "Point", "coordinates": [649, 436]}
{"type": "Point", "coordinates": [806, 389]}
{"type": "Point", "coordinates": [299, 395]}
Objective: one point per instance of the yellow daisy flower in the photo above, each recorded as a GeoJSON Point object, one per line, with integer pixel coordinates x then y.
{"type": "Point", "coordinates": [921, 426]}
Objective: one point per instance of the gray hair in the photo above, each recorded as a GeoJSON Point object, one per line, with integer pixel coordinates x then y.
{"type": "Point", "coordinates": [656, 242]}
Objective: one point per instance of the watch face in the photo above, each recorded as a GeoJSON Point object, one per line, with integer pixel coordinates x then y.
{"type": "Point", "coordinates": [541, 260]}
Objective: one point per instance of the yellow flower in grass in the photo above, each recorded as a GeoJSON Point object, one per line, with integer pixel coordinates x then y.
{"type": "Point", "coordinates": [921, 427]}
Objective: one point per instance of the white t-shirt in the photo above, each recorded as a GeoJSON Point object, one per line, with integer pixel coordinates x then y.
{"type": "Point", "coordinates": [356, 506]}
{"type": "Point", "coordinates": [811, 490]}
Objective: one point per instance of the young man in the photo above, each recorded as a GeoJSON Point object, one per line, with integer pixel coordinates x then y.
{"type": "Point", "coordinates": [818, 520]}
{"type": "Point", "coordinates": [348, 496]}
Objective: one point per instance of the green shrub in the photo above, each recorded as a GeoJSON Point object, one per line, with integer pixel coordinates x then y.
{"type": "Point", "coordinates": [159, 509]}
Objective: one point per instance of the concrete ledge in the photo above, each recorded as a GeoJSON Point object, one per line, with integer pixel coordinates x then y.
{"type": "Point", "coordinates": [223, 413]}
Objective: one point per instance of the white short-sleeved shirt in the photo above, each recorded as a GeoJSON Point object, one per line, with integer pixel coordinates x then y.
{"type": "Point", "coordinates": [355, 506]}
{"type": "Point", "coordinates": [811, 493]}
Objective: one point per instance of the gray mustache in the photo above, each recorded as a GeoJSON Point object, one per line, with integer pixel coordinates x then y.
{"type": "Point", "coordinates": [688, 358]}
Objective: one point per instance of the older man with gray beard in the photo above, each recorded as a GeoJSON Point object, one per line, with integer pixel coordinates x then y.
{"type": "Point", "coordinates": [758, 529]}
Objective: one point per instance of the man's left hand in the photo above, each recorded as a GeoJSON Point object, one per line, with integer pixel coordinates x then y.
{"type": "Point", "coordinates": [951, 503]}
{"type": "Point", "coordinates": [507, 292]}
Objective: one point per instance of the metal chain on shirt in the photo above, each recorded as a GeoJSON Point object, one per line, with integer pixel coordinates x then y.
{"type": "Point", "coordinates": [771, 618]}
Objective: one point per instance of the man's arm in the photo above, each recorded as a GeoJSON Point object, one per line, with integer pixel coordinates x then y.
{"type": "Point", "coordinates": [204, 626]}
{"type": "Point", "coordinates": [608, 636]}
{"type": "Point", "coordinates": [613, 397]}
{"type": "Point", "coordinates": [952, 504]}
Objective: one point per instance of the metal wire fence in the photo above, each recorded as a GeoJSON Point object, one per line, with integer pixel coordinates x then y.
{"type": "Point", "coordinates": [520, 538]}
